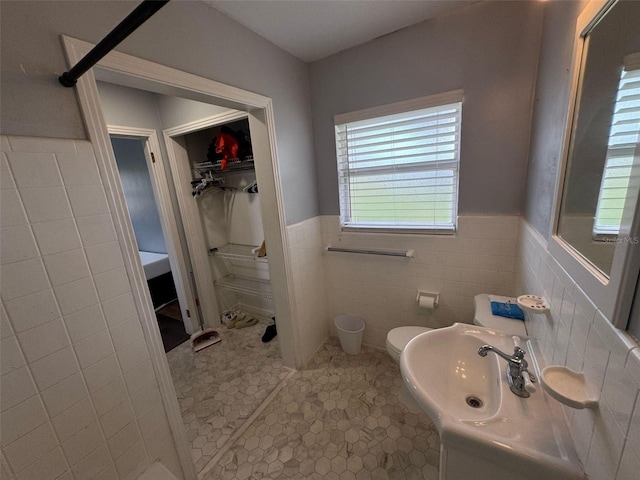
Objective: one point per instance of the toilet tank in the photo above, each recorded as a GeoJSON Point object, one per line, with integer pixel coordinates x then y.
{"type": "Point", "coordinates": [484, 318]}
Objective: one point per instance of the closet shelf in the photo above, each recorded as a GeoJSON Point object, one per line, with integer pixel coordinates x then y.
{"type": "Point", "coordinates": [237, 166]}
{"type": "Point", "coordinates": [235, 251]}
{"type": "Point", "coordinates": [248, 286]}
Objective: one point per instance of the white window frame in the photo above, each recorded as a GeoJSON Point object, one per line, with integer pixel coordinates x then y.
{"type": "Point", "coordinates": [447, 98]}
{"type": "Point", "coordinates": [606, 232]}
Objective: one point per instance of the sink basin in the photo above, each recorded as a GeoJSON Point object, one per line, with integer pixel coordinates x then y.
{"type": "Point", "coordinates": [460, 379]}
{"type": "Point", "coordinates": [485, 430]}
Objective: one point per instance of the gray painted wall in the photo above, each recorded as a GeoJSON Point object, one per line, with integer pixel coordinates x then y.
{"type": "Point", "coordinates": [189, 36]}
{"type": "Point", "coordinates": [553, 89]}
{"type": "Point", "coordinates": [136, 184]}
{"type": "Point", "coordinates": [179, 111]}
{"type": "Point", "coordinates": [129, 107]}
{"type": "Point", "coordinates": [489, 49]}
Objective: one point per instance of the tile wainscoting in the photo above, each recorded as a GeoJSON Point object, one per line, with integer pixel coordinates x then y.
{"type": "Point", "coordinates": [80, 398]}
{"type": "Point", "coordinates": [305, 249]}
{"type": "Point", "coordinates": [577, 335]}
{"type": "Point", "coordinates": [479, 258]}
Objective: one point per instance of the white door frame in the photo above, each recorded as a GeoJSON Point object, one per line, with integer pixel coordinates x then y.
{"type": "Point", "coordinates": [136, 72]}
{"type": "Point", "coordinates": [168, 221]}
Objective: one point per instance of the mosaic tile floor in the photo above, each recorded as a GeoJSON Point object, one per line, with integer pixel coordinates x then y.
{"type": "Point", "coordinates": [338, 419]}
{"type": "Point", "coordinates": [220, 386]}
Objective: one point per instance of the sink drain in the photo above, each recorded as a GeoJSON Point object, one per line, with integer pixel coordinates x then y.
{"type": "Point", "coordinates": [474, 402]}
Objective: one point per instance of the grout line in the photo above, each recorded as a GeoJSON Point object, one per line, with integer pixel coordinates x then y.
{"type": "Point", "coordinates": [243, 428]}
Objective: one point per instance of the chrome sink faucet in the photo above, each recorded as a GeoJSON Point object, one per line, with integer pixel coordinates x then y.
{"type": "Point", "coordinates": [517, 367]}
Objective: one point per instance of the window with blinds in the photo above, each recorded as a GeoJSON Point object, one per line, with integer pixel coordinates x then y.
{"type": "Point", "coordinates": [623, 146]}
{"type": "Point", "coordinates": [398, 165]}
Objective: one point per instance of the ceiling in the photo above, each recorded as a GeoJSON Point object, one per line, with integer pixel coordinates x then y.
{"type": "Point", "coordinates": [314, 29]}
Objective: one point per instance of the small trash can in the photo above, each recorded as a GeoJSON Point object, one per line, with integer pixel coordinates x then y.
{"type": "Point", "coordinates": [350, 331]}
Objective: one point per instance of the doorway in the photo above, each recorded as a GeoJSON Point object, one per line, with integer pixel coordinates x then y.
{"type": "Point", "coordinates": [127, 70]}
{"type": "Point", "coordinates": [133, 156]}
{"type": "Point", "coordinates": [220, 386]}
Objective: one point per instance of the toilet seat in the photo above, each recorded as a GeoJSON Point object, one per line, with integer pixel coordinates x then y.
{"type": "Point", "coordinates": [398, 338]}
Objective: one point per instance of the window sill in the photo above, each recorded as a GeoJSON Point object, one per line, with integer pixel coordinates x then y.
{"type": "Point", "coordinates": [400, 231]}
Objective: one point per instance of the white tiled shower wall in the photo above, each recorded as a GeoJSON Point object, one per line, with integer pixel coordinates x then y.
{"type": "Point", "coordinates": [79, 396]}
{"type": "Point", "coordinates": [480, 258]}
{"type": "Point", "coordinates": [305, 249]}
{"type": "Point", "coordinates": [577, 335]}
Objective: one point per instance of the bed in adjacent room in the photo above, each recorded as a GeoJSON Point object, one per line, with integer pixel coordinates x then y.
{"type": "Point", "coordinates": [155, 264]}
{"type": "Point", "coordinates": [157, 270]}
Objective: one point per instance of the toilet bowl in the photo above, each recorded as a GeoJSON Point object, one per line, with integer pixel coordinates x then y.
{"type": "Point", "coordinates": [398, 338]}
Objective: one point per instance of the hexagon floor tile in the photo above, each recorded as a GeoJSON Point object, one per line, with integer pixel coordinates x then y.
{"type": "Point", "coordinates": [220, 386]}
{"type": "Point", "coordinates": [338, 419]}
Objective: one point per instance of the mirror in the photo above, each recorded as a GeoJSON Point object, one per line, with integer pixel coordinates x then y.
{"type": "Point", "coordinates": [600, 186]}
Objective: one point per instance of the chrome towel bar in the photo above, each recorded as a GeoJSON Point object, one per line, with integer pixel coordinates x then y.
{"type": "Point", "coordinates": [371, 251]}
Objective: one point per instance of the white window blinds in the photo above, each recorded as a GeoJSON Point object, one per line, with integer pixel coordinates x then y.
{"type": "Point", "coordinates": [623, 145]}
{"type": "Point", "coordinates": [399, 171]}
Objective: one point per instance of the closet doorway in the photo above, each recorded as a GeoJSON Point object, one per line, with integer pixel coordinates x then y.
{"type": "Point", "coordinates": [221, 214]}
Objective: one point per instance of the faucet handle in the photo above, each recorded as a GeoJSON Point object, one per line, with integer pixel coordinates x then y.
{"type": "Point", "coordinates": [518, 353]}
{"type": "Point", "coordinates": [528, 378]}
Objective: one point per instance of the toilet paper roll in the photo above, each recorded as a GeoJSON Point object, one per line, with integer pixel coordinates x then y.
{"type": "Point", "coordinates": [427, 302]}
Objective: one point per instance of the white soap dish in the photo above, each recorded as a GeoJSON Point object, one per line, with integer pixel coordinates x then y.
{"type": "Point", "coordinates": [568, 387]}
{"type": "Point", "coordinates": [533, 304]}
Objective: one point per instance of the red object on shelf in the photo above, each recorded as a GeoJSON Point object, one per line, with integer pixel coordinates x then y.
{"type": "Point", "coordinates": [228, 147]}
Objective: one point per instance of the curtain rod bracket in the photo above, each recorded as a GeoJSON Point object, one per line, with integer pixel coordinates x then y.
{"type": "Point", "coordinates": [136, 18]}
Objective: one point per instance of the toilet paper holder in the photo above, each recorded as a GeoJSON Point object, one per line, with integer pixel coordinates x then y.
{"type": "Point", "coordinates": [428, 300]}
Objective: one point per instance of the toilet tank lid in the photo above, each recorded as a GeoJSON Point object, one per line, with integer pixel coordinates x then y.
{"type": "Point", "coordinates": [400, 336]}
{"type": "Point", "coordinates": [485, 318]}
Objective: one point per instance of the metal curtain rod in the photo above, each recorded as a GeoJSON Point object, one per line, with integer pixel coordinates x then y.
{"type": "Point", "coordinates": [141, 14]}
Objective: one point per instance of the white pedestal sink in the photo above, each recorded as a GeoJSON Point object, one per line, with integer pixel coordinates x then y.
{"type": "Point", "coordinates": [486, 432]}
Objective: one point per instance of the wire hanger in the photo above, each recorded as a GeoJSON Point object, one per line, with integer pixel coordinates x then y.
{"type": "Point", "coordinates": [208, 184]}
{"type": "Point", "coordinates": [251, 188]}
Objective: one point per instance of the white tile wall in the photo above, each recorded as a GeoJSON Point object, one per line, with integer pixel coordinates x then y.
{"type": "Point", "coordinates": [305, 249]}
{"type": "Point", "coordinates": [31, 311]}
{"type": "Point", "coordinates": [12, 210]}
{"type": "Point", "coordinates": [73, 355]}
{"type": "Point", "coordinates": [18, 386]}
{"type": "Point", "coordinates": [577, 335]}
{"type": "Point", "coordinates": [45, 204]}
{"type": "Point", "coordinates": [480, 258]}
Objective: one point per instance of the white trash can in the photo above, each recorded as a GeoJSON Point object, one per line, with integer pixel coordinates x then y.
{"type": "Point", "coordinates": [350, 331]}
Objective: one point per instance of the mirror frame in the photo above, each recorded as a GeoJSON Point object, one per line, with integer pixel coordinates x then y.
{"type": "Point", "coordinates": [612, 295]}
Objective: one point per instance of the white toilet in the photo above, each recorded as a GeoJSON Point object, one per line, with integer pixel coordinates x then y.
{"type": "Point", "coordinates": [399, 337]}
{"type": "Point", "coordinates": [484, 318]}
